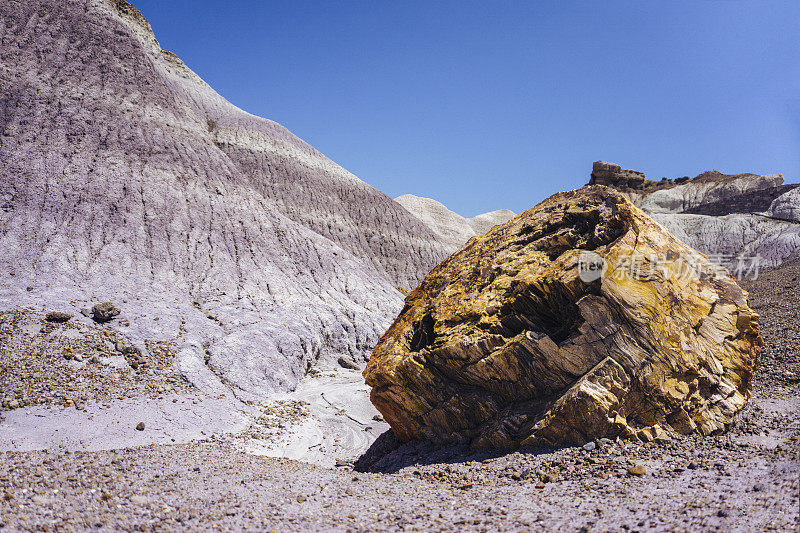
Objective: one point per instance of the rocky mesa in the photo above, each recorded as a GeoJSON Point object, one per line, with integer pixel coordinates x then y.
{"type": "Point", "coordinates": [579, 319]}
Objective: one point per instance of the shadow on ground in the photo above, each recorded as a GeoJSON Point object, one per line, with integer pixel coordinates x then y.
{"type": "Point", "coordinates": [389, 455]}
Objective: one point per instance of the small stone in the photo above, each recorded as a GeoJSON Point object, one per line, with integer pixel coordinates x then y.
{"type": "Point", "coordinates": [637, 470]}
{"type": "Point", "coordinates": [40, 500]}
{"type": "Point", "coordinates": [13, 404]}
{"type": "Point", "coordinates": [78, 357]}
{"type": "Point", "coordinates": [758, 487]}
{"type": "Point", "coordinates": [645, 434]}
{"type": "Point", "coordinates": [549, 478]}
{"type": "Point", "coordinates": [466, 486]}
{"type": "Point", "coordinates": [58, 317]}
{"type": "Point", "coordinates": [104, 312]}
{"type": "Point", "coordinates": [516, 476]}
{"type": "Point", "coordinates": [85, 312]}
{"type": "Point", "coordinates": [692, 466]}
{"type": "Point", "coordinates": [301, 499]}
{"type": "Point", "coordinates": [589, 446]}
{"type": "Point", "coordinates": [722, 513]}
{"type": "Point", "coordinates": [131, 350]}
{"type": "Point", "coordinates": [29, 289]}
{"type": "Point", "coordinates": [138, 499]}
{"type": "Point", "coordinates": [140, 426]}
{"type": "Point", "coordinates": [347, 363]}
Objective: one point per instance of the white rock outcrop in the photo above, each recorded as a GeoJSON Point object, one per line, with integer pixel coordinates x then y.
{"type": "Point", "coordinates": [786, 206]}
{"type": "Point", "coordinates": [707, 188]}
{"type": "Point", "coordinates": [744, 243]}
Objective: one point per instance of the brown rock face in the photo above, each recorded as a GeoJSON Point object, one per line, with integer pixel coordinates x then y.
{"type": "Point", "coordinates": [578, 319]}
{"type": "Point", "coordinates": [613, 175]}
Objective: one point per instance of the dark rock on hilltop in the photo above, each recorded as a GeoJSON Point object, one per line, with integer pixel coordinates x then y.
{"type": "Point", "coordinates": [613, 175]}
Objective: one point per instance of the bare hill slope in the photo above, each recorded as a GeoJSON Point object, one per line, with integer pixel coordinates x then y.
{"type": "Point", "coordinates": [124, 177]}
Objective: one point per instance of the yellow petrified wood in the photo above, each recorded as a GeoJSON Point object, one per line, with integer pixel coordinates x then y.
{"type": "Point", "coordinates": [514, 341]}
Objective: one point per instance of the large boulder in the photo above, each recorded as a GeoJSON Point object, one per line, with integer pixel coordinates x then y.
{"type": "Point", "coordinates": [578, 319]}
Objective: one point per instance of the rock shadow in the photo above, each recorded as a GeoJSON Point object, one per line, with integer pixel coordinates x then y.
{"type": "Point", "coordinates": [389, 455]}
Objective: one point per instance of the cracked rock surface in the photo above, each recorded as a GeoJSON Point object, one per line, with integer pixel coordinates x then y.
{"type": "Point", "coordinates": [509, 343]}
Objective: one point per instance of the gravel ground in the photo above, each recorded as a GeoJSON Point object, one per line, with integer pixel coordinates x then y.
{"type": "Point", "coordinates": [745, 480]}
{"type": "Point", "coordinates": [72, 364]}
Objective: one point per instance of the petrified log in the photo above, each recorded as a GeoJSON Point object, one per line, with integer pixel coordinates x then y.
{"type": "Point", "coordinates": [578, 319]}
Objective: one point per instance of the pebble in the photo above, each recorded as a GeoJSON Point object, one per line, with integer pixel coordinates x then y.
{"type": "Point", "coordinates": [140, 426]}
{"type": "Point", "coordinates": [637, 470]}
{"type": "Point", "coordinates": [41, 500]}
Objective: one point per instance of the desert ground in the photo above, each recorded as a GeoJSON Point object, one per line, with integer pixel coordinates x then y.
{"type": "Point", "coordinates": [215, 474]}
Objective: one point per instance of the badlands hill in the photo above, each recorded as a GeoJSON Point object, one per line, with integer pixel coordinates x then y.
{"type": "Point", "coordinates": [739, 220]}
{"type": "Point", "coordinates": [449, 226]}
{"type": "Point", "coordinates": [125, 177]}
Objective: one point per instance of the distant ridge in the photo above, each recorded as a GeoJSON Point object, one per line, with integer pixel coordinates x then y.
{"type": "Point", "coordinates": [449, 226]}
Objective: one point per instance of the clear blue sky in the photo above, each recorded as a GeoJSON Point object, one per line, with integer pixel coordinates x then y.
{"type": "Point", "coordinates": [486, 105]}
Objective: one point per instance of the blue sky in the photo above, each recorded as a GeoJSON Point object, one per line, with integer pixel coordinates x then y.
{"type": "Point", "coordinates": [489, 105]}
